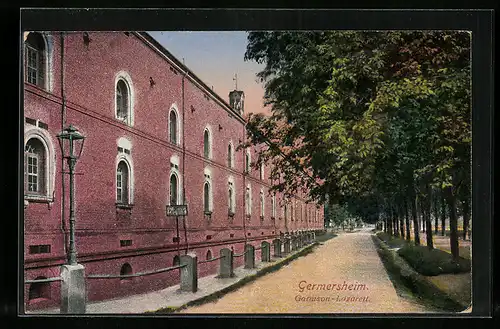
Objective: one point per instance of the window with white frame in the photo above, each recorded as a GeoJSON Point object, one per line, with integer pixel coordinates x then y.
{"type": "Point", "coordinates": [35, 54]}
{"type": "Point", "coordinates": [262, 204]}
{"type": "Point", "coordinates": [207, 144]}
{"type": "Point", "coordinates": [39, 165]}
{"type": "Point", "coordinates": [173, 128]}
{"type": "Point", "coordinates": [230, 155]}
{"type": "Point", "coordinates": [273, 206]}
{"type": "Point", "coordinates": [36, 167]}
{"type": "Point", "coordinates": [124, 98]}
{"type": "Point", "coordinates": [247, 161]}
{"type": "Point", "coordinates": [124, 173]}
{"type": "Point", "coordinates": [206, 197]}
{"type": "Point", "coordinates": [248, 200]}
{"type": "Point", "coordinates": [122, 183]}
{"type": "Point", "coordinates": [231, 197]}
{"type": "Point", "coordinates": [207, 192]}
{"type": "Point", "coordinates": [175, 186]}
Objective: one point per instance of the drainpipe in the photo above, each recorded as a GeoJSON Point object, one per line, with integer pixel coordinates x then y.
{"type": "Point", "coordinates": [184, 161]}
{"type": "Point", "coordinates": [244, 188]}
{"type": "Point", "coordinates": [63, 124]}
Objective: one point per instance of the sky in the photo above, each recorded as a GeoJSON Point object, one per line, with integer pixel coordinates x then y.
{"type": "Point", "coordinates": [215, 57]}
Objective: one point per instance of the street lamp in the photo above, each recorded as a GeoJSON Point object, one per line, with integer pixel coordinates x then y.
{"type": "Point", "coordinates": [67, 139]}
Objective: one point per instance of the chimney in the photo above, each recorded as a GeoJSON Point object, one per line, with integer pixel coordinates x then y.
{"type": "Point", "coordinates": [237, 100]}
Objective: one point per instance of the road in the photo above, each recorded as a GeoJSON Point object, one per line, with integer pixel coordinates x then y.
{"type": "Point", "coordinates": [344, 275]}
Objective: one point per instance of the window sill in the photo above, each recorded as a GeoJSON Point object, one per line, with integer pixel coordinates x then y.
{"type": "Point", "coordinates": [261, 217]}
{"type": "Point", "coordinates": [207, 213]}
{"type": "Point", "coordinates": [123, 121]}
{"type": "Point", "coordinates": [37, 86]}
{"type": "Point", "coordinates": [231, 214]}
{"type": "Point", "coordinates": [38, 300]}
{"type": "Point", "coordinates": [273, 218]}
{"type": "Point", "coordinates": [124, 206]}
{"type": "Point", "coordinates": [38, 198]}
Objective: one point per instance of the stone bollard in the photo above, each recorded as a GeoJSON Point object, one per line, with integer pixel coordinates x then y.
{"type": "Point", "coordinates": [249, 256]}
{"type": "Point", "coordinates": [265, 249]}
{"type": "Point", "coordinates": [73, 295]}
{"type": "Point", "coordinates": [226, 269]}
{"type": "Point", "coordinates": [277, 247]}
{"type": "Point", "coordinates": [189, 273]}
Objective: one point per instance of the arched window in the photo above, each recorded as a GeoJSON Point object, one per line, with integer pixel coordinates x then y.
{"type": "Point", "coordinates": [122, 100]}
{"type": "Point", "coordinates": [273, 206]}
{"type": "Point", "coordinates": [231, 198]}
{"type": "Point", "coordinates": [39, 289]}
{"type": "Point", "coordinates": [247, 162]}
{"type": "Point", "coordinates": [176, 261]}
{"type": "Point", "coordinates": [126, 269]}
{"type": "Point", "coordinates": [209, 255]}
{"type": "Point", "coordinates": [230, 155]}
{"type": "Point", "coordinates": [248, 200]}
{"type": "Point", "coordinates": [206, 197]}
{"type": "Point", "coordinates": [122, 183]}
{"type": "Point", "coordinates": [207, 147]}
{"type": "Point", "coordinates": [262, 206]}
{"type": "Point", "coordinates": [174, 186]}
{"type": "Point", "coordinates": [35, 59]}
{"type": "Point", "coordinates": [172, 127]}
{"type": "Point", "coordinates": [35, 167]}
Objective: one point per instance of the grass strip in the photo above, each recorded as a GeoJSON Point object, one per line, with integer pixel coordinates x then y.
{"type": "Point", "coordinates": [406, 279]}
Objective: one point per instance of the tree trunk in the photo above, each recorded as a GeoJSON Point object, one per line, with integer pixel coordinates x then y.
{"type": "Point", "coordinates": [422, 215]}
{"type": "Point", "coordinates": [443, 213]}
{"type": "Point", "coordinates": [451, 199]}
{"type": "Point", "coordinates": [395, 220]}
{"type": "Point", "coordinates": [401, 220]}
{"type": "Point", "coordinates": [428, 220]}
{"type": "Point", "coordinates": [436, 212]}
{"type": "Point", "coordinates": [413, 204]}
{"type": "Point", "coordinates": [407, 219]}
{"type": "Point", "coordinates": [466, 211]}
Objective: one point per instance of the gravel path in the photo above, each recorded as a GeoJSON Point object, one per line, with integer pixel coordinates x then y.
{"type": "Point", "coordinates": [344, 275]}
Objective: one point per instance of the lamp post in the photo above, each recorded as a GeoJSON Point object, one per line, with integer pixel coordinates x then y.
{"type": "Point", "coordinates": [67, 139]}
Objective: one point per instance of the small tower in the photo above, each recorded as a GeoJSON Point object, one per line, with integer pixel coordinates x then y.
{"type": "Point", "coordinates": [237, 97]}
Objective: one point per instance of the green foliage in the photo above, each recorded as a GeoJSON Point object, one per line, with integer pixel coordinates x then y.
{"type": "Point", "coordinates": [367, 118]}
{"type": "Point", "coordinates": [433, 262]}
{"type": "Point", "coordinates": [338, 214]}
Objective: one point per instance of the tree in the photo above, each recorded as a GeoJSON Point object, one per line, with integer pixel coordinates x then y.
{"type": "Point", "coordinates": [367, 114]}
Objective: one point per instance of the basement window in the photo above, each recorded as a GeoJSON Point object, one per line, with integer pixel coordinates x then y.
{"type": "Point", "coordinates": [125, 243]}
{"type": "Point", "coordinates": [40, 249]}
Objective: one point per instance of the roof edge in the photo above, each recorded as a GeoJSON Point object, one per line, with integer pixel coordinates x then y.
{"type": "Point", "coordinates": [189, 73]}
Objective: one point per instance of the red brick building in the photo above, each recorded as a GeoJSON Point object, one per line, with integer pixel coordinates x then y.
{"type": "Point", "coordinates": [155, 135]}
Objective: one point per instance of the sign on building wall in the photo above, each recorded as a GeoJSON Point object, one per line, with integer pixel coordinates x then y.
{"type": "Point", "coordinates": [176, 210]}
